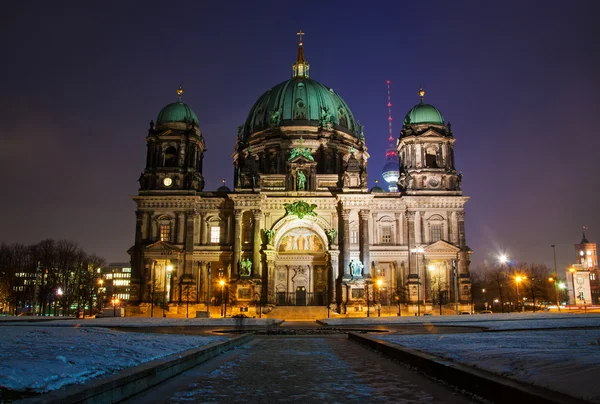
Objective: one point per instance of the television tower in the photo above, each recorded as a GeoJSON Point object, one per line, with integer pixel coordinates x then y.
{"type": "Point", "coordinates": [391, 169]}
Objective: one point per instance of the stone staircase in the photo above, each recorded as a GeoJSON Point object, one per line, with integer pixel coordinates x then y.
{"type": "Point", "coordinates": [298, 313]}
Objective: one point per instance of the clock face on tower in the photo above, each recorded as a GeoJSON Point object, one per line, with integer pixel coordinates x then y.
{"type": "Point", "coordinates": [167, 182]}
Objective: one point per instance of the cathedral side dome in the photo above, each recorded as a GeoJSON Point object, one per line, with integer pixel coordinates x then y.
{"type": "Point", "coordinates": [423, 113]}
{"type": "Point", "coordinates": [177, 112]}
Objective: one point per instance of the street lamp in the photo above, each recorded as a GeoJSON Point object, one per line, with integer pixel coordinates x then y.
{"type": "Point", "coordinates": [258, 305]}
{"type": "Point", "coordinates": [115, 301]}
{"type": "Point", "coordinates": [551, 279]}
{"type": "Point", "coordinates": [572, 270]}
{"type": "Point", "coordinates": [100, 282]}
{"type": "Point", "coordinates": [168, 269]}
{"type": "Point", "coordinates": [518, 279]}
{"type": "Point", "coordinates": [222, 284]}
{"type": "Point", "coordinates": [379, 283]}
{"type": "Point", "coordinates": [417, 251]}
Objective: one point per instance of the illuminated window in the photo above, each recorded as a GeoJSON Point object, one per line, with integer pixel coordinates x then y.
{"type": "Point", "coordinates": [592, 276]}
{"type": "Point", "coordinates": [215, 234]}
{"type": "Point", "coordinates": [354, 237]}
{"type": "Point", "coordinates": [126, 269]}
{"type": "Point", "coordinates": [165, 231]}
{"type": "Point", "coordinates": [247, 233]}
{"type": "Point", "coordinates": [589, 252]}
{"type": "Point", "coordinates": [436, 232]}
{"type": "Point", "coordinates": [109, 276]}
{"type": "Point", "coordinates": [386, 235]}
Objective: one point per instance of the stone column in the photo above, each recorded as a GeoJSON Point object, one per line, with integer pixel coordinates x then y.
{"type": "Point", "coordinates": [189, 242]}
{"type": "Point", "coordinates": [334, 256]}
{"type": "Point", "coordinates": [199, 268]}
{"type": "Point", "coordinates": [180, 227]}
{"type": "Point", "coordinates": [399, 239]}
{"type": "Point", "coordinates": [454, 228]}
{"type": "Point", "coordinates": [417, 224]}
{"type": "Point", "coordinates": [139, 226]}
{"type": "Point", "coordinates": [203, 229]}
{"type": "Point", "coordinates": [268, 289]}
{"type": "Point", "coordinates": [376, 236]}
{"type": "Point", "coordinates": [256, 261]}
{"type": "Point", "coordinates": [364, 242]}
{"type": "Point", "coordinates": [346, 244]}
{"type": "Point", "coordinates": [237, 240]}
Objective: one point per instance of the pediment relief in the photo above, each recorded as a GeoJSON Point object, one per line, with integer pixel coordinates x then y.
{"type": "Point", "coordinates": [163, 247]}
{"type": "Point", "coordinates": [430, 133]}
{"type": "Point", "coordinates": [441, 246]}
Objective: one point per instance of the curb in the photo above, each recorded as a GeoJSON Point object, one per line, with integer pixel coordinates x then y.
{"type": "Point", "coordinates": [134, 380]}
{"type": "Point", "coordinates": [488, 385]}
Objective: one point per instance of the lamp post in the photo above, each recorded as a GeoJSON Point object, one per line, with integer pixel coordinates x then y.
{"type": "Point", "coordinates": [572, 270]}
{"type": "Point", "coordinates": [222, 284]}
{"type": "Point", "coordinates": [518, 279]}
{"type": "Point", "coordinates": [59, 293]}
{"type": "Point", "coordinates": [115, 301]}
{"type": "Point", "coordinates": [100, 283]}
{"type": "Point", "coordinates": [379, 283]}
{"type": "Point", "coordinates": [367, 283]}
{"type": "Point", "coordinates": [551, 279]}
{"type": "Point", "coordinates": [168, 269]}
{"type": "Point", "coordinates": [417, 251]}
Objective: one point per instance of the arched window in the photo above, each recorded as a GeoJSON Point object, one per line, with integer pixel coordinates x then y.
{"type": "Point", "coordinates": [171, 156]}
{"type": "Point", "coordinates": [431, 157]}
{"type": "Point", "coordinates": [164, 228]}
{"type": "Point", "coordinates": [436, 228]}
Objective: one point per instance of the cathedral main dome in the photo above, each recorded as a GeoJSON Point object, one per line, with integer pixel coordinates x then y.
{"type": "Point", "coordinates": [300, 101]}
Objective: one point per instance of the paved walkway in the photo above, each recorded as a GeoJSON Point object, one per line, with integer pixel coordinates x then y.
{"type": "Point", "coordinates": [295, 369]}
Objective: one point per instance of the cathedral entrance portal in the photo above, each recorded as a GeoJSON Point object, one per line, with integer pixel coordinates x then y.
{"type": "Point", "coordinates": [301, 267]}
{"type": "Point", "coordinates": [300, 296]}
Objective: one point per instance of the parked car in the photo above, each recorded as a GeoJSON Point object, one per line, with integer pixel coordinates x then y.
{"type": "Point", "coordinates": [465, 312]}
{"type": "Point", "coordinates": [240, 315]}
{"type": "Point", "coordinates": [486, 312]}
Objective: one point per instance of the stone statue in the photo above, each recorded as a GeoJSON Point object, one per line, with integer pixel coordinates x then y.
{"type": "Point", "coordinates": [331, 235]}
{"type": "Point", "coordinates": [325, 120]}
{"type": "Point", "coordinates": [359, 132]}
{"type": "Point", "coordinates": [240, 132]}
{"type": "Point", "coordinates": [301, 181]}
{"type": "Point", "coordinates": [275, 118]}
{"type": "Point", "coordinates": [356, 268]}
{"type": "Point", "coordinates": [245, 267]}
{"type": "Point", "coordinates": [141, 181]}
{"type": "Point", "coordinates": [269, 234]}
{"type": "Point", "coordinates": [458, 181]}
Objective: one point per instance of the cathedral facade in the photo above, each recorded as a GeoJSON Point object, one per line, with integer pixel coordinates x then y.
{"type": "Point", "coordinates": [300, 226]}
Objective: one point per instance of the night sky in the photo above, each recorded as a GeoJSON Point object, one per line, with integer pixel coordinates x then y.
{"type": "Point", "coordinates": [518, 81]}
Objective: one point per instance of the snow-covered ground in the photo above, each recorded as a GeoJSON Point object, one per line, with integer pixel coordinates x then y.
{"type": "Point", "coordinates": [45, 357]}
{"type": "Point", "coordinates": [562, 360]}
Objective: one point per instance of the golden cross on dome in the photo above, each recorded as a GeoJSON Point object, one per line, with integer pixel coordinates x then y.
{"type": "Point", "coordinates": [300, 34]}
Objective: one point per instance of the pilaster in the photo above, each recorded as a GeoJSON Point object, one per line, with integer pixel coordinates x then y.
{"type": "Point", "coordinates": [364, 242]}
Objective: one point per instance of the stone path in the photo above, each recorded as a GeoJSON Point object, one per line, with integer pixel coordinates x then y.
{"type": "Point", "coordinates": [301, 369]}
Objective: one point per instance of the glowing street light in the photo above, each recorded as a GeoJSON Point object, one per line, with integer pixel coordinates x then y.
{"type": "Point", "coordinates": [551, 279]}
{"type": "Point", "coordinates": [418, 250]}
{"type": "Point", "coordinates": [518, 279]}
{"type": "Point", "coordinates": [379, 283]}
{"type": "Point", "coordinates": [169, 268]}
{"type": "Point", "coordinates": [222, 284]}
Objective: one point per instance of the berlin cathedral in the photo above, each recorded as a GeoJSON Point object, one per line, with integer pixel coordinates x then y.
{"type": "Point", "coordinates": [301, 226]}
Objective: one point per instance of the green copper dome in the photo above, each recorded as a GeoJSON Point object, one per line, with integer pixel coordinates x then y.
{"type": "Point", "coordinates": [300, 101]}
{"type": "Point", "coordinates": [176, 112]}
{"type": "Point", "coordinates": [424, 113]}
